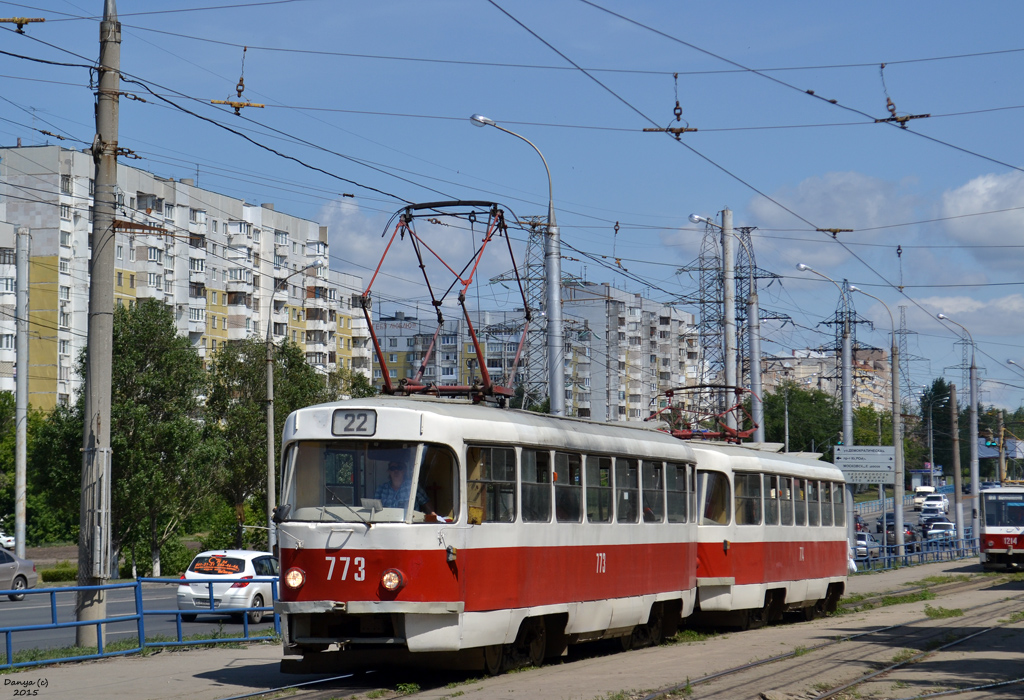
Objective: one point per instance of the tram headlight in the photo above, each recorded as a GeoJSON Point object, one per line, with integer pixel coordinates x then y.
{"type": "Point", "coordinates": [991, 543]}
{"type": "Point", "coordinates": [294, 578]}
{"type": "Point", "coordinates": [392, 580]}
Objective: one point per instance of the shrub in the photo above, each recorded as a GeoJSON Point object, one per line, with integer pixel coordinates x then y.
{"type": "Point", "coordinates": [64, 571]}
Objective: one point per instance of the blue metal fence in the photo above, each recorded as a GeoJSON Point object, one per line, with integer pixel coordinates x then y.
{"type": "Point", "coordinates": [138, 617]}
{"type": "Point", "coordinates": [920, 552]}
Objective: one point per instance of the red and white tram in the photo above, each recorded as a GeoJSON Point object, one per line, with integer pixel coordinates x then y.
{"type": "Point", "coordinates": [771, 537]}
{"type": "Point", "coordinates": [1002, 528]}
{"type": "Point", "coordinates": [516, 534]}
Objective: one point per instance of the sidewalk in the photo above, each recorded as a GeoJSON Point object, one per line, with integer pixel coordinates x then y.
{"type": "Point", "coordinates": [215, 673]}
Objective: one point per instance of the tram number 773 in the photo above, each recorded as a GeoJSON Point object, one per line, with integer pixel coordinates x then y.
{"type": "Point", "coordinates": [360, 567]}
{"type": "Point", "coordinates": [602, 562]}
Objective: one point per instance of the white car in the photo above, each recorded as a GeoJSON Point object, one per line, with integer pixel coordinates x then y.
{"type": "Point", "coordinates": [942, 531]}
{"type": "Point", "coordinates": [866, 546]}
{"type": "Point", "coordinates": [936, 499]}
{"type": "Point", "coordinates": [6, 541]}
{"type": "Point", "coordinates": [261, 567]}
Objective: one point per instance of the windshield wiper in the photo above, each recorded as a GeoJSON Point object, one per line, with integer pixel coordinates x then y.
{"type": "Point", "coordinates": [342, 502]}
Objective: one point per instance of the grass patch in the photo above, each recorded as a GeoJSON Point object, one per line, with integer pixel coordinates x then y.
{"type": "Point", "coordinates": [907, 598]}
{"type": "Point", "coordinates": [408, 688]}
{"type": "Point", "coordinates": [940, 612]}
{"type": "Point", "coordinates": [379, 693]}
{"type": "Point", "coordinates": [904, 655]}
{"type": "Point", "coordinates": [1014, 618]}
{"type": "Point", "coordinates": [939, 580]}
{"type": "Point", "coordinates": [687, 635]}
{"type": "Point", "coordinates": [800, 651]}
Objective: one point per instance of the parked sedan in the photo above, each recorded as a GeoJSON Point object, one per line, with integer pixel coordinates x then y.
{"type": "Point", "coordinates": [261, 567]}
{"type": "Point", "coordinates": [942, 531]}
{"type": "Point", "coordinates": [866, 546]}
{"type": "Point", "coordinates": [6, 541]}
{"type": "Point", "coordinates": [910, 538]}
{"type": "Point", "coordinates": [16, 574]}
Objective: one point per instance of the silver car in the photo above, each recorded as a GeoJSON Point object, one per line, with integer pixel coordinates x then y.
{"type": "Point", "coordinates": [16, 574]}
{"type": "Point", "coordinates": [246, 564]}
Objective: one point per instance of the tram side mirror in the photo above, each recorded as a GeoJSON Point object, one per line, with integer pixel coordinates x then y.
{"type": "Point", "coordinates": [282, 512]}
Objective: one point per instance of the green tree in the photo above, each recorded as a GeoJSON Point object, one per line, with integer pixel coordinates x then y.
{"type": "Point", "coordinates": [237, 399]}
{"type": "Point", "coordinates": [344, 382]}
{"type": "Point", "coordinates": [55, 477]}
{"type": "Point", "coordinates": [815, 418]}
{"type": "Point", "coordinates": [163, 464]}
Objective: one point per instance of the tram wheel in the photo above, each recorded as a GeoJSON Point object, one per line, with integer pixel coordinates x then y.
{"type": "Point", "coordinates": [810, 612]}
{"type": "Point", "coordinates": [533, 641]}
{"type": "Point", "coordinates": [494, 659]}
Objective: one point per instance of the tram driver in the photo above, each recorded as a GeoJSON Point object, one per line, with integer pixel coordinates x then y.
{"type": "Point", "coordinates": [394, 493]}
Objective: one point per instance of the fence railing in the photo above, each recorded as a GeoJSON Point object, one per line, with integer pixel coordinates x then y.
{"type": "Point", "coordinates": [926, 551]}
{"type": "Point", "coordinates": [138, 616]}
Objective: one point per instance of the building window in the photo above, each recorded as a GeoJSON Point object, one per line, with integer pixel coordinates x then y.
{"type": "Point", "coordinates": [65, 184]}
{"type": "Point", "coordinates": [6, 342]}
{"type": "Point", "coordinates": [63, 373]}
{"type": "Point", "coordinates": [64, 319]}
{"type": "Point", "coordinates": [131, 254]}
{"type": "Point", "coordinates": [196, 264]}
{"type": "Point", "coordinates": [131, 281]}
{"type": "Point", "coordinates": [154, 280]}
{"type": "Point", "coordinates": [65, 239]}
{"type": "Point", "coordinates": [64, 293]}
{"type": "Point", "coordinates": [119, 252]}
{"type": "Point", "coordinates": [155, 254]}
{"type": "Point", "coordinates": [65, 212]}
{"type": "Point", "coordinates": [196, 315]}
{"type": "Point", "coordinates": [168, 211]}
{"type": "Point", "coordinates": [9, 284]}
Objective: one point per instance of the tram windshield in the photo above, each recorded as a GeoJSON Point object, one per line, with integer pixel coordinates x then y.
{"type": "Point", "coordinates": [1003, 509]}
{"type": "Point", "coordinates": [369, 481]}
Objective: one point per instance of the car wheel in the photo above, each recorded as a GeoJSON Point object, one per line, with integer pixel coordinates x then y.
{"type": "Point", "coordinates": [19, 584]}
{"type": "Point", "coordinates": [188, 617]}
{"type": "Point", "coordinates": [256, 616]}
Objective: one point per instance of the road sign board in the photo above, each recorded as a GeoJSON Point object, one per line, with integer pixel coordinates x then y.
{"type": "Point", "coordinates": [860, 477]}
{"type": "Point", "coordinates": [865, 458]}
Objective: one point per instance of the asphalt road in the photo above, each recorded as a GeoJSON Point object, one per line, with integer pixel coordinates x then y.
{"type": "Point", "coordinates": [37, 609]}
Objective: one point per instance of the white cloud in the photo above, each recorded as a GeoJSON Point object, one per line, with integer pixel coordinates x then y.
{"type": "Point", "coordinates": [988, 193]}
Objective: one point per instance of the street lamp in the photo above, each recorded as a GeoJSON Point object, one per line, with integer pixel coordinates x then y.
{"type": "Point", "coordinates": [271, 453]}
{"type": "Point", "coordinates": [553, 278]}
{"type": "Point", "coordinates": [975, 523]}
{"type": "Point", "coordinates": [897, 427]}
{"type": "Point", "coordinates": [847, 374]}
{"type": "Point", "coordinates": [753, 320]}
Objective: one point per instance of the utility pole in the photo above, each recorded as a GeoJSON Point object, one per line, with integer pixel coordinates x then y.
{"type": "Point", "coordinates": [729, 297]}
{"type": "Point", "coordinates": [851, 527]}
{"type": "Point", "coordinates": [958, 499]}
{"type": "Point", "coordinates": [24, 243]}
{"type": "Point", "coordinates": [94, 525]}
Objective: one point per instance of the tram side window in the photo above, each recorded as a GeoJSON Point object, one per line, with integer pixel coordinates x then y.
{"type": "Point", "coordinates": [536, 495]}
{"type": "Point", "coordinates": [826, 504]}
{"type": "Point", "coordinates": [812, 503]}
{"type": "Point", "coordinates": [491, 484]}
{"type": "Point", "coordinates": [800, 496]}
{"type": "Point", "coordinates": [748, 498]}
{"type": "Point", "coordinates": [840, 506]}
{"type": "Point", "coordinates": [786, 500]}
{"type": "Point", "coordinates": [627, 490]}
{"type": "Point", "coordinates": [676, 483]}
{"type": "Point", "coordinates": [654, 495]}
{"type": "Point", "coordinates": [717, 498]}
{"type": "Point", "coordinates": [771, 500]}
{"type": "Point", "coordinates": [568, 487]}
{"type": "Point", "coordinates": [599, 489]}
{"type": "Point", "coordinates": [440, 480]}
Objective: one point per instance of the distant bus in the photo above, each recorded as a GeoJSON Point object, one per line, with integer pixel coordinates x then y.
{"type": "Point", "coordinates": [1002, 530]}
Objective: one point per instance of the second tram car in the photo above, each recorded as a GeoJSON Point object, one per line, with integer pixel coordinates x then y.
{"type": "Point", "coordinates": [465, 535]}
{"type": "Point", "coordinates": [1002, 528]}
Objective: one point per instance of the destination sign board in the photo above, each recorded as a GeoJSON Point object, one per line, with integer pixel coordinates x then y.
{"type": "Point", "coordinates": [855, 477]}
{"type": "Point", "coordinates": [866, 458]}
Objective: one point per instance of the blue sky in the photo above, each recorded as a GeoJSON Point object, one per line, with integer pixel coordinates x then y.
{"type": "Point", "coordinates": [380, 94]}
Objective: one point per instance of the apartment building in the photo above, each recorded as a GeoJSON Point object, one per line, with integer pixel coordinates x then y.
{"type": "Point", "coordinates": [227, 268]}
{"type": "Point", "coordinates": [624, 351]}
{"type": "Point", "coordinates": [813, 369]}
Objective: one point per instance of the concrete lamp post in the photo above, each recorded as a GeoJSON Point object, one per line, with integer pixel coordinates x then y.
{"type": "Point", "coordinates": [553, 280]}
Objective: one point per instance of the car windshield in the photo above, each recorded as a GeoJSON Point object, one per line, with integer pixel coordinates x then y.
{"type": "Point", "coordinates": [217, 565]}
{"type": "Point", "coordinates": [369, 481]}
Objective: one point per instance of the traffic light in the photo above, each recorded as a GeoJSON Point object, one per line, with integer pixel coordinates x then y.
{"type": "Point", "coordinates": [990, 440]}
